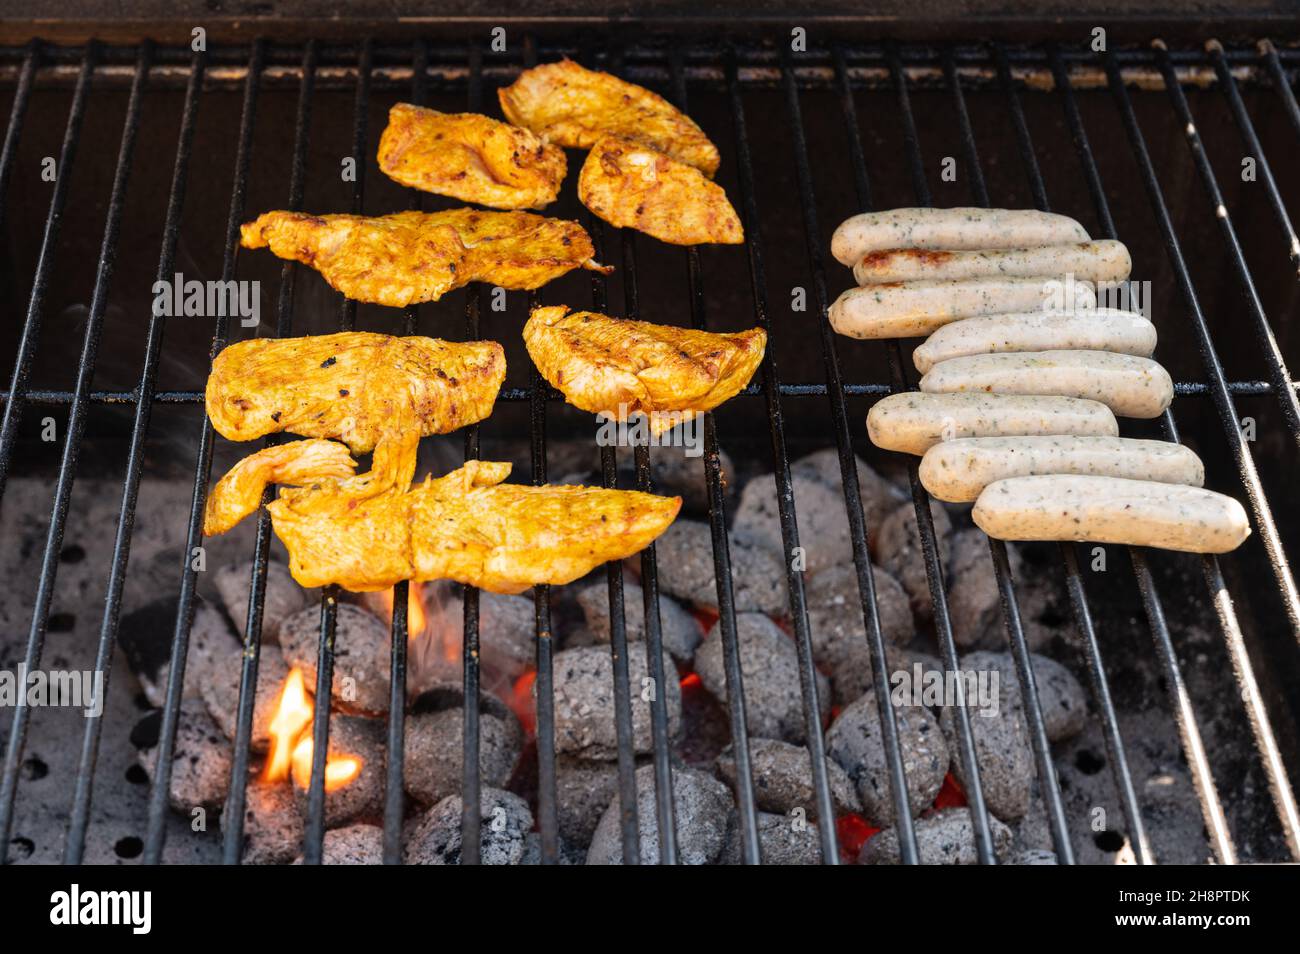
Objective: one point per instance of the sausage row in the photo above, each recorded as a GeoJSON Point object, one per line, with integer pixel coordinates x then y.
{"type": "Point", "coordinates": [1023, 378]}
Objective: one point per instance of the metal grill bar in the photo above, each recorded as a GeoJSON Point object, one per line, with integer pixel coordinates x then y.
{"type": "Point", "coordinates": [22, 95]}
{"type": "Point", "coordinates": [395, 749]}
{"type": "Point", "coordinates": [471, 811]}
{"type": "Point", "coordinates": [233, 813]}
{"type": "Point", "coordinates": [54, 398]}
{"type": "Point", "coordinates": [1242, 118]}
{"type": "Point", "coordinates": [156, 832]}
{"type": "Point", "coordinates": [45, 262]}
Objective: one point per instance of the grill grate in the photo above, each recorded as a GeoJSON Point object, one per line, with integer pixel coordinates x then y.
{"type": "Point", "coordinates": [843, 70]}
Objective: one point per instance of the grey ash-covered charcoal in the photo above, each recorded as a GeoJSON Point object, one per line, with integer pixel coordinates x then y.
{"type": "Point", "coordinates": [681, 633]}
{"type": "Point", "coordinates": [435, 748]}
{"type": "Point", "coordinates": [838, 631]}
{"type": "Point", "coordinates": [1064, 705]}
{"type": "Point", "coordinates": [1033, 856]}
{"type": "Point", "coordinates": [973, 602]}
{"type": "Point", "coordinates": [434, 837]}
{"type": "Point", "coordinates": [702, 808]}
{"type": "Point", "coordinates": [354, 845]}
{"type": "Point", "coordinates": [856, 743]}
{"type": "Point", "coordinates": [273, 826]}
{"type": "Point", "coordinates": [783, 780]}
{"type": "Point", "coordinates": [897, 548]}
{"type": "Point", "coordinates": [583, 790]}
{"type": "Point", "coordinates": [685, 563]}
{"type": "Point", "coordinates": [201, 758]}
{"type": "Point", "coordinates": [945, 838]}
{"type": "Point", "coordinates": [507, 628]}
{"type": "Point", "coordinates": [362, 654]}
{"type": "Point", "coordinates": [146, 634]}
{"type": "Point", "coordinates": [1006, 763]}
{"type": "Point", "coordinates": [350, 737]}
{"type": "Point", "coordinates": [769, 665]}
{"type": "Point", "coordinates": [819, 508]}
{"type": "Point", "coordinates": [781, 841]}
{"type": "Point", "coordinates": [879, 496]}
{"type": "Point", "coordinates": [673, 472]}
{"type": "Point", "coordinates": [220, 692]}
{"type": "Point", "coordinates": [584, 701]}
{"type": "Point", "coordinates": [283, 597]}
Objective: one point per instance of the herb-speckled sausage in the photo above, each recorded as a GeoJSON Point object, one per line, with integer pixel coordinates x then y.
{"type": "Point", "coordinates": [913, 422]}
{"type": "Point", "coordinates": [1111, 510]}
{"type": "Point", "coordinates": [1130, 386]}
{"type": "Point", "coordinates": [956, 471]}
{"type": "Point", "coordinates": [961, 228]}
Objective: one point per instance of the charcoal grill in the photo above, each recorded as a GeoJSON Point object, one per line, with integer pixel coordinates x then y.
{"type": "Point", "coordinates": [817, 98]}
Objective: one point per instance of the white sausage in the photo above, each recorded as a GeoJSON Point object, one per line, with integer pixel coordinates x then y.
{"type": "Point", "coordinates": [913, 309]}
{"type": "Point", "coordinates": [1101, 329]}
{"type": "Point", "coordinates": [1111, 510]}
{"type": "Point", "coordinates": [956, 471]}
{"type": "Point", "coordinates": [1102, 261]}
{"type": "Point", "coordinates": [1130, 386]}
{"type": "Point", "coordinates": [951, 229]}
{"type": "Point", "coordinates": [913, 423]}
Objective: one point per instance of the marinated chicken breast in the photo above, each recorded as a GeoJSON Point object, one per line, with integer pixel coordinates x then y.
{"type": "Point", "coordinates": [519, 250]}
{"type": "Point", "coordinates": [632, 186]}
{"type": "Point", "coordinates": [619, 367]}
{"type": "Point", "coordinates": [408, 257]}
{"type": "Point", "coordinates": [467, 526]}
{"type": "Point", "coordinates": [239, 493]}
{"type": "Point", "coordinates": [573, 106]}
{"type": "Point", "coordinates": [357, 386]}
{"type": "Point", "coordinates": [470, 157]}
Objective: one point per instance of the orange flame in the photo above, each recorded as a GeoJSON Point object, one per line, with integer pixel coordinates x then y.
{"type": "Point", "coordinates": [416, 620]}
{"type": "Point", "coordinates": [291, 748]}
{"type": "Point", "coordinates": [292, 715]}
{"type": "Point", "coordinates": [338, 771]}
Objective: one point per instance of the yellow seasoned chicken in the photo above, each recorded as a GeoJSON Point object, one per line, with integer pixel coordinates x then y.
{"type": "Point", "coordinates": [575, 107]}
{"type": "Point", "coordinates": [374, 392]}
{"type": "Point", "coordinates": [631, 186]}
{"type": "Point", "coordinates": [470, 157]}
{"type": "Point", "coordinates": [467, 526]}
{"type": "Point", "coordinates": [619, 367]}
{"type": "Point", "coordinates": [411, 257]}
{"type": "Point", "coordinates": [520, 250]}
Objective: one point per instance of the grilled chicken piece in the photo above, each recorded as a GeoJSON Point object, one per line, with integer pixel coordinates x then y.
{"type": "Point", "coordinates": [470, 157]}
{"type": "Point", "coordinates": [239, 493]}
{"type": "Point", "coordinates": [519, 250]}
{"type": "Point", "coordinates": [618, 367]}
{"type": "Point", "coordinates": [467, 526]}
{"type": "Point", "coordinates": [632, 186]}
{"type": "Point", "coordinates": [408, 257]}
{"type": "Point", "coordinates": [358, 386]}
{"type": "Point", "coordinates": [575, 107]}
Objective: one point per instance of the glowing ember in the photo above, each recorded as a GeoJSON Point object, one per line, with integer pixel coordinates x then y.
{"type": "Point", "coordinates": [691, 681]}
{"type": "Point", "coordinates": [338, 771]}
{"type": "Point", "coordinates": [521, 700]}
{"type": "Point", "coordinates": [854, 831]}
{"type": "Point", "coordinates": [292, 715]}
{"type": "Point", "coordinates": [291, 748]}
{"type": "Point", "coordinates": [950, 794]}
